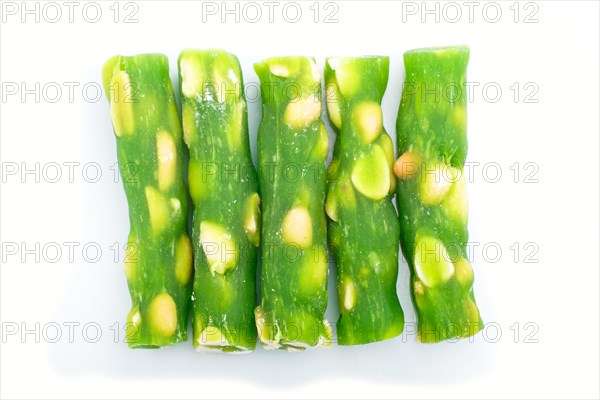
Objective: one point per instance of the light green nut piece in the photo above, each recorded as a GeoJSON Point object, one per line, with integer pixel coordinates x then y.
{"type": "Point", "coordinates": [158, 209]}
{"type": "Point", "coordinates": [166, 152]}
{"type": "Point", "coordinates": [385, 142]}
{"type": "Point", "coordinates": [371, 174]}
{"type": "Point", "coordinates": [188, 121]}
{"type": "Point", "coordinates": [121, 104]}
{"type": "Point", "coordinates": [195, 180]}
{"type": "Point", "coordinates": [234, 132]}
{"type": "Point", "coordinates": [346, 74]}
{"type": "Point", "coordinates": [133, 323]}
{"type": "Point", "coordinates": [432, 261]}
{"type": "Point", "coordinates": [297, 228]}
{"type": "Point", "coordinates": [435, 182]}
{"type": "Point", "coordinates": [268, 333]}
{"type": "Point", "coordinates": [219, 247]}
{"type": "Point", "coordinates": [212, 340]}
{"type": "Point", "coordinates": [225, 80]}
{"type": "Point", "coordinates": [348, 298]}
{"type": "Point", "coordinates": [313, 273]}
{"type": "Point", "coordinates": [252, 219]}
{"type": "Point", "coordinates": [456, 203]}
{"type": "Point", "coordinates": [194, 76]}
{"type": "Point", "coordinates": [463, 271]}
{"type": "Point", "coordinates": [183, 259]}
{"type": "Point", "coordinates": [368, 119]}
{"type": "Point", "coordinates": [300, 113]}
{"type": "Point", "coordinates": [163, 314]}
{"type": "Point", "coordinates": [332, 96]}
{"type": "Point", "coordinates": [331, 207]}
{"type": "Point", "coordinates": [320, 151]}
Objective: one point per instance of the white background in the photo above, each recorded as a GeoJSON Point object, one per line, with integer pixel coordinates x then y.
{"type": "Point", "coordinates": [559, 134]}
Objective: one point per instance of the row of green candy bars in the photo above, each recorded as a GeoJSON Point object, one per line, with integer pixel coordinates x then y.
{"type": "Point", "coordinates": [293, 207]}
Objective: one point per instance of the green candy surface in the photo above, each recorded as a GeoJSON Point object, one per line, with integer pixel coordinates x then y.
{"type": "Point", "coordinates": [363, 227]}
{"type": "Point", "coordinates": [224, 189]}
{"type": "Point", "coordinates": [150, 149]}
{"type": "Point", "coordinates": [432, 197]}
{"type": "Point", "coordinates": [292, 147]}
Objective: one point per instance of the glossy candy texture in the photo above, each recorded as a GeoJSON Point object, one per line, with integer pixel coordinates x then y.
{"type": "Point", "coordinates": [363, 224]}
{"type": "Point", "coordinates": [158, 259]}
{"type": "Point", "coordinates": [292, 147]}
{"type": "Point", "coordinates": [224, 188]}
{"type": "Point", "coordinates": [432, 196]}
